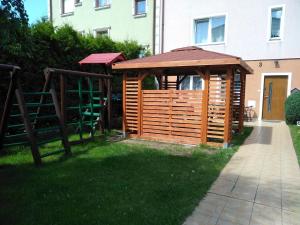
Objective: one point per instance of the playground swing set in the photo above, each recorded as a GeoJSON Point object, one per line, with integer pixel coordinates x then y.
{"type": "Point", "coordinates": [24, 121]}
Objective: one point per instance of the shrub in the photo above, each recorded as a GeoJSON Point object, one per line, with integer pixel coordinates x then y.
{"type": "Point", "coordinates": [292, 108]}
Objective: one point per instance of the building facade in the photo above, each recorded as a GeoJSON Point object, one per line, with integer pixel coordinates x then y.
{"type": "Point", "coordinates": [119, 19]}
{"type": "Point", "coordinates": [263, 32]}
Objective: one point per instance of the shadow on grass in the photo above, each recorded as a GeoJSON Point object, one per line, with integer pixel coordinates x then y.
{"type": "Point", "coordinates": [111, 184]}
{"type": "Point", "coordinates": [133, 188]}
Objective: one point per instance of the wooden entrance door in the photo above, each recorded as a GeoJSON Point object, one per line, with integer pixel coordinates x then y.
{"type": "Point", "coordinates": [275, 94]}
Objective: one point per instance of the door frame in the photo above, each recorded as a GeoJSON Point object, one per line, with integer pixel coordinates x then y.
{"type": "Point", "coordinates": [263, 75]}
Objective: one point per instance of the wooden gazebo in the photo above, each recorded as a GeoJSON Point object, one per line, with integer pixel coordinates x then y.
{"type": "Point", "coordinates": [207, 116]}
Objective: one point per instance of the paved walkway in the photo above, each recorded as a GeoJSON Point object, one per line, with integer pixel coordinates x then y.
{"type": "Point", "coordinates": [259, 186]}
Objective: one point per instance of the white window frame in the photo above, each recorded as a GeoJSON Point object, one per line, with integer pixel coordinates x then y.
{"type": "Point", "coordinates": [62, 9]}
{"type": "Point", "coordinates": [101, 30]}
{"type": "Point", "coordinates": [108, 5]}
{"type": "Point", "coordinates": [79, 3]}
{"type": "Point", "coordinates": [142, 14]}
{"type": "Point", "coordinates": [269, 38]}
{"type": "Point", "coordinates": [209, 17]}
{"type": "Point", "coordinates": [192, 81]}
{"type": "Point", "coordinates": [261, 98]}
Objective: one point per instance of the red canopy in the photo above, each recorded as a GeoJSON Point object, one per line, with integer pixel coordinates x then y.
{"type": "Point", "coordinates": [103, 58]}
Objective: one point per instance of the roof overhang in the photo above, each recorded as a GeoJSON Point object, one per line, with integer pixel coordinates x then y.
{"type": "Point", "coordinates": [182, 64]}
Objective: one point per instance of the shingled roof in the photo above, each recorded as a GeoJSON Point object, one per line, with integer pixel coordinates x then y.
{"type": "Point", "coordinates": [103, 58]}
{"type": "Point", "coordinates": [183, 57]}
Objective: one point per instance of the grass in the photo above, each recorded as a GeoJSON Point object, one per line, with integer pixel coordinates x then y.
{"type": "Point", "coordinates": [295, 133]}
{"type": "Point", "coordinates": [108, 183]}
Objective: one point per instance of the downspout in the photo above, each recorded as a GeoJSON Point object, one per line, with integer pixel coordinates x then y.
{"type": "Point", "coordinates": [162, 25]}
{"type": "Point", "coordinates": [154, 26]}
{"type": "Point", "coordinates": [50, 11]}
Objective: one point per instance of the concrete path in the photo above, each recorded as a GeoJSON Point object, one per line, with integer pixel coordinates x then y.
{"type": "Point", "coordinates": [259, 186]}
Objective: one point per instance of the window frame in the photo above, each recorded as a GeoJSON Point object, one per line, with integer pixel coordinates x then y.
{"type": "Point", "coordinates": [209, 36]}
{"type": "Point", "coordinates": [108, 5]}
{"type": "Point", "coordinates": [192, 82]}
{"type": "Point", "coordinates": [102, 30]}
{"type": "Point", "coordinates": [134, 9]}
{"type": "Point", "coordinates": [62, 9]}
{"type": "Point", "coordinates": [280, 38]}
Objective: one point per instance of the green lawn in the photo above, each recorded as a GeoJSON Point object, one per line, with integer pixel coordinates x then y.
{"type": "Point", "coordinates": [295, 132]}
{"type": "Point", "coordinates": [109, 184]}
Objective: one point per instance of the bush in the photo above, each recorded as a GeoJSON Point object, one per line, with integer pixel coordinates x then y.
{"type": "Point", "coordinates": [292, 108]}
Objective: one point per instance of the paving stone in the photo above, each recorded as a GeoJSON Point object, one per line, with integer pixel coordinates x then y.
{"type": "Point", "coordinates": [264, 215]}
{"type": "Point", "coordinates": [237, 212]}
{"type": "Point", "coordinates": [259, 186]}
{"type": "Point", "coordinates": [290, 218]}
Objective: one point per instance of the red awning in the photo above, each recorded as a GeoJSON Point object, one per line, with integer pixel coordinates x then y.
{"type": "Point", "coordinates": [103, 58]}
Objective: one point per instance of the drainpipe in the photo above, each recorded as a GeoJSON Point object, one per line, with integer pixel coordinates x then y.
{"type": "Point", "coordinates": [50, 11]}
{"type": "Point", "coordinates": [154, 26]}
{"type": "Point", "coordinates": [162, 25]}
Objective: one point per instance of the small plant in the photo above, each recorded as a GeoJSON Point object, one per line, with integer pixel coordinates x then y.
{"type": "Point", "coordinates": [292, 108]}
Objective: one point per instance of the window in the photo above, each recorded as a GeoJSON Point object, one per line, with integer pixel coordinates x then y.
{"type": "Point", "coordinates": [81, 32]}
{"type": "Point", "coordinates": [103, 32]}
{"type": "Point", "coordinates": [276, 23]}
{"type": "Point", "coordinates": [191, 83]}
{"type": "Point", "coordinates": [102, 3]}
{"type": "Point", "coordinates": [139, 7]}
{"type": "Point", "coordinates": [210, 30]}
{"type": "Point", "coordinates": [67, 6]}
{"type": "Point", "coordinates": [78, 3]}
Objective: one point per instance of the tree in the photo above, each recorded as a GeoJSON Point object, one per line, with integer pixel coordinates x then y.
{"type": "Point", "coordinates": [14, 30]}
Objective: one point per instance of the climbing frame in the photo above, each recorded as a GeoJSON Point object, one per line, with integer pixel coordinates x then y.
{"type": "Point", "coordinates": [23, 121]}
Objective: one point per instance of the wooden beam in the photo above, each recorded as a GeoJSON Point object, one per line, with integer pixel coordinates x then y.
{"type": "Point", "coordinates": [101, 101]}
{"type": "Point", "coordinates": [139, 108]}
{"type": "Point", "coordinates": [62, 124]}
{"type": "Point", "coordinates": [205, 99]}
{"type": "Point", "coordinates": [179, 63]}
{"type": "Point", "coordinates": [29, 129]}
{"type": "Point", "coordinates": [228, 107]}
{"type": "Point", "coordinates": [109, 100]}
{"type": "Point", "coordinates": [76, 73]}
{"type": "Point", "coordinates": [124, 105]}
{"type": "Point", "coordinates": [63, 97]}
{"type": "Point", "coordinates": [7, 106]}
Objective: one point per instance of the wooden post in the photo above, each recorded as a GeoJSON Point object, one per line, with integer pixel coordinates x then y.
{"type": "Point", "coordinates": [160, 82]}
{"type": "Point", "coordinates": [48, 77]}
{"type": "Point", "coordinates": [62, 126]}
{"type": "Point", "coordinates": [63, 97]}
{"type": "Point", "coordinates": [29, 129]}
{"type": "Point", "coordinates": [7, 106]}
{"type": "Point", "coordinates": [139, 112]}
{"type": "Point", "coordinates": [205, 99]}
{"type": "Point", "coordinates": [242, 101]}
{"type": "Point", "coordinates": [228, 108]}
{"type": "Point", "coordinates": [109, 103]}
{"type": "Point", "coordinates": [101, 120]}
{"type": "Point", "coordinates": [166, 82]}
{"type": "Point", "coordinates": [124, 105]}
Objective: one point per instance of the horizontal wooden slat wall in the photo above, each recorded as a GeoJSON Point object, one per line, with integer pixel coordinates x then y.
{"type": "Point", "coordinates": [216, 109]}
{"type": "Point", "coordinates": [130, 99]}
{"type": "Point", "coordinates": [236, 101]}
{"type": "Point", "coordinates": [172, 116]}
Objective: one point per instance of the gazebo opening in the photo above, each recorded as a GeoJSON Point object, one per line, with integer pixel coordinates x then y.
{"type": "Point", "coordinates": [198, 97]}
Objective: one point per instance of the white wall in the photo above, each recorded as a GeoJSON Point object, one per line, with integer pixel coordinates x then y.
{"type": "Point", "coordinates": [247, 27]}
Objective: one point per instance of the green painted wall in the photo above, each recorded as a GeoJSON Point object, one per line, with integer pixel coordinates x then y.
{"type": "Point", "coordinates": [119, 17]}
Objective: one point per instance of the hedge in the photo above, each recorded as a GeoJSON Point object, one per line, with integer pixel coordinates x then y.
{"type": "Point", "coordinates": [292, 108]}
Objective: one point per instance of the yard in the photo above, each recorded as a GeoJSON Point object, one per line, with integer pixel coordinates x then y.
{"type": "Point", "coordinates": [109, 183]}
{"type": "Point", "coordinates": [295, 133]}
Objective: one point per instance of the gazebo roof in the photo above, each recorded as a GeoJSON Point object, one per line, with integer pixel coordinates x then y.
{"type": "Point", "coordinates": [103, 58]}
{"type": "Point", "coordinates": [183, 57]}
